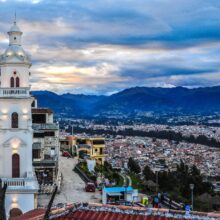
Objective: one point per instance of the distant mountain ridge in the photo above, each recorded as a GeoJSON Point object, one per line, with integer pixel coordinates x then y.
{"type": "Point", "coordinates": [134, 101]}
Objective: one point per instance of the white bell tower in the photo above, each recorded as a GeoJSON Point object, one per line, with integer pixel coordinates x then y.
{"type": "Point", "coordinates": [16, 127]}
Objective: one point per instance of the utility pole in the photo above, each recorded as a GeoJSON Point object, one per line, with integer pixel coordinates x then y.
{"type": "Point", "coordinates": [157, 184]}
{"type": "Point", "coordinates": [72, 129]}
{"type": "Point", "coordinates": [47, 214]}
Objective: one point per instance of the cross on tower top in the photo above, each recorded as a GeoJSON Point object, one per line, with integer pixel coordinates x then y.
{"type": "Point", "coordinates": [15, 17]}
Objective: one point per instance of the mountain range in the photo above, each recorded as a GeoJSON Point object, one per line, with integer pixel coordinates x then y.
{"type": "Point", "coordinates": [178, 100]}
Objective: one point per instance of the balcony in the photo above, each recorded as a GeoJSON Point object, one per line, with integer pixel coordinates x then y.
{"type": "Point", "coordinates": [18, 184]}
{"type": "Point", "coordinates": [47, 126]}
{"type": "Point", "coordinates": [45, 163]}
{"type": "Point", "coordinates": [14, 92]}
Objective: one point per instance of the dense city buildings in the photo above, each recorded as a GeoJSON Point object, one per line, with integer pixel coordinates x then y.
{"type": "Point", "coordinates": [132, 140]}
{"type": "Point", "coordinates": [149, 151]}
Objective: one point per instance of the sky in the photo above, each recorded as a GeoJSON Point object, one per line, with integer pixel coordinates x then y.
{"type": "Point", "coordinates": [104, 46]}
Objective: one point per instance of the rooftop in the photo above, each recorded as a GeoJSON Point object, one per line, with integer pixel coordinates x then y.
{"type": "Point", "coordinates": [118, 189]}
{"type": "Point", "coordinates": [41, 110]}
{"type": "Point", "coordinates": [92, 211]}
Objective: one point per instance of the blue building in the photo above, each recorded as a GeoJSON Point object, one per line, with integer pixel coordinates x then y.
{"type": "Point", "coordinates": [113, 195]}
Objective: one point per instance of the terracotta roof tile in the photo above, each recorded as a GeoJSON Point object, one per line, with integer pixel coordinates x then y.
{"type": "Point", "coordinates": [93, 215]}
{"type": "Point", "coordinates": [107, 212]}
{"type": "Point", "coordinates": [31, 215]}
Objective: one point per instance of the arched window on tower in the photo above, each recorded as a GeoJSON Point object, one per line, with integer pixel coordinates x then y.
{"type": "Point", "coordinates": [15, 166]}
{"type": "Point", "coordinates": [17, 82]}
{"type": "Point", "coordinates": [14, 120]}
{"type": "Point", "coordinates": [12, 82]}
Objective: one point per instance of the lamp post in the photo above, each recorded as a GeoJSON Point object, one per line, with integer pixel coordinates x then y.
{"type": "Point", "coordinates": [157, 172]}
{"type": "Point", "coordinates": [191, 186]}
{"type": "Point", "coordinates": [72, 129]}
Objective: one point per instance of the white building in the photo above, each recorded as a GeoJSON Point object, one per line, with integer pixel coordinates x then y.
{"type": "Point", "coordinates": [16, 134]}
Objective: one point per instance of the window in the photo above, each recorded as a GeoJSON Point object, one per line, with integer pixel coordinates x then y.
{"type": "Point", "coordinates": [49, 133]}
{"type": "Point", "coordinates": [98, 142]}
{"type": "Point", "coordinates": [36, 154]}
{"type": "Point", "coordinates": [15, 166]}
{"type": "Point", "coordinates": [12, 82]}
{"type": "Point", "coordinates": [17, 82]}
{"type": "Point", "coordinates": [14, 120]}
{"type": "Point", "coordinates": [38, 135]}
{"type": "Point", "coordinates": [101, 151]}
{"type": "Point", "coordinates": [39, 118]}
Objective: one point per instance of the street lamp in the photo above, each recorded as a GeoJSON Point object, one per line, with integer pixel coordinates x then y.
{"type": "Point", "coordinates": [191, 186]}
{"type": "Point", "coordinates": [157, 172]}
{"type": "Point", "coordinates": [72, 129]}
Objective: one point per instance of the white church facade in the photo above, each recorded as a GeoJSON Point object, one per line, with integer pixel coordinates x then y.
{"type": "Point", "coordinates": [16, 134]}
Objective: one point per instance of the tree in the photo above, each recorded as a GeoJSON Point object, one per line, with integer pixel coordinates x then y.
{"type": "Point", "coordinates": [133, 166]}
{"type": "Point", "coordinates": [194, 171]}
{"type": "Point", "coordinates": [149, 174]}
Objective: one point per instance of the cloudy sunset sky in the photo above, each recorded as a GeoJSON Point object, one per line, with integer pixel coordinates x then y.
{"type": "Point", "coordinates": [104, 46]}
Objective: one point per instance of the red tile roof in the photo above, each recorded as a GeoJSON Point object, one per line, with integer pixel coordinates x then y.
{"type": "Point", "coordinates": [31, 215]}
{"type": "Point", "coordinates": [93, 215]}
{"type": "Point", "coordinates": [108, 212]}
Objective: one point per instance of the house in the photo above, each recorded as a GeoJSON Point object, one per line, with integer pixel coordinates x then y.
{"type": "Point", "coordinates": [46, 146]}
{"type": "Point", "coordinates": [92, 148]}
{"type": "Point", "coordinates": [112, 195]}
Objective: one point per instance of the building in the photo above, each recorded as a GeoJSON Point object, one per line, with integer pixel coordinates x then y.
{"type": "Point", "coordinates": [66, 143]}
{"type": "Point", "coordinates": [92, 148]}
{"type": "Point", "coordinates": [16, 127]}
{"type": "Point", "coordinates": [113, 195]}
{"type": "Point", "coordinates": [45, 146]}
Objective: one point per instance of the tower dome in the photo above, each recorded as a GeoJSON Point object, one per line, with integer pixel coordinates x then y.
{"type": "Point", "coordinates": [15, 53]}
{"type": "Point", "coordinates": [15, 28]}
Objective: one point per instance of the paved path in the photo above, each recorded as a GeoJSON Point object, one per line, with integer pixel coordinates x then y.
{"type": "Point", "coordinates": [72, 189]}
{"type": "Point", "coordinates": [126, 178]}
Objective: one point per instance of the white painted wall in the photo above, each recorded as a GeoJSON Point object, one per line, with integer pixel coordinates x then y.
{"type": "Point", "coordinates": [7, 71]}
{"type": "Point", "coordinates": [24, 202]}
{"type": "Point", "coordinates": [16, 140]}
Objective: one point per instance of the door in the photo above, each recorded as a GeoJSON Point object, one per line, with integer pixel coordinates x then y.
{"type": "Point", "coordinates": [15, 166]}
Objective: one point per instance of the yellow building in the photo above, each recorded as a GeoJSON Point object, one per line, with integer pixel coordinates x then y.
{"type": "Point", "coordinates": [92, 148]}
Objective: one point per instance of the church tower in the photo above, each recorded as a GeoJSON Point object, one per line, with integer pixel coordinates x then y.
{"type": "Point", "coordinates": [16, 135]}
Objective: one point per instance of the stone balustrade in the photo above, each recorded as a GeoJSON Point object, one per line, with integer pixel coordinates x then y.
{"type": "Point", "coordinates": [15, 92]}
{"type": "Point", "coordinates": [21, 183]}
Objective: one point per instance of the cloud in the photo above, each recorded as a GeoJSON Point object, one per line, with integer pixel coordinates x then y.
{"type": "Point", "coordinates": [105, 46]}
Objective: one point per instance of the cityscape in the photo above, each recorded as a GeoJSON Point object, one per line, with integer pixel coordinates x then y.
{"type": "Point", "coordinates": [109, 110]}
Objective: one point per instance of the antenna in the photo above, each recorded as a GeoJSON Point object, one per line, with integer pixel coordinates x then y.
{"type": "Point", "coordinates": [15, 17]}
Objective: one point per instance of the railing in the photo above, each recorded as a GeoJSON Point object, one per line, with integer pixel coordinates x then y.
{"type": "Point", "coordinates": [14, 92]}
{"type": "Point", "coordinates": [46, 126]}
{"type": "Point", "coordinates": [15, 182]}
{"type": "Point", "coordinates": [87, 146]}
{"type": "Point", "coordinates": [21, 183]}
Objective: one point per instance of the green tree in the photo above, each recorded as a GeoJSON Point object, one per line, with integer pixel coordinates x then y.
{"type": "Point", "coordinates": [149, 174]}
{"type": "Point", "coordinates": [133, 166]}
